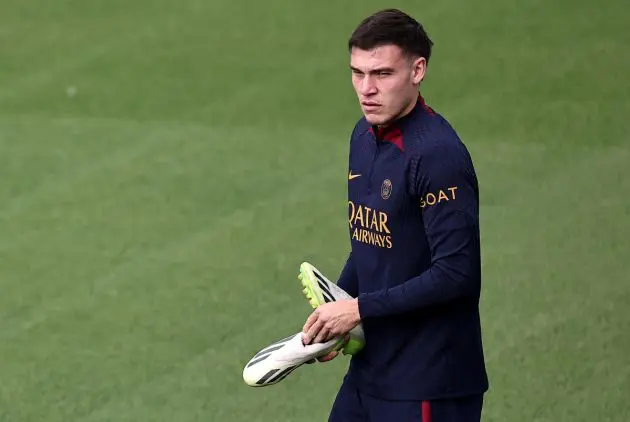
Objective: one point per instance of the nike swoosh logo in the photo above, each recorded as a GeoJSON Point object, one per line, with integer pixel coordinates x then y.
{"type": "Point", "coordinates": [353, 176]}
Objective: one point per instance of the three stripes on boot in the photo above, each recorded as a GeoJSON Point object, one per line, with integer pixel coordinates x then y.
{"type": "Point", "coordinates": [328, 297]}
{"type": "Point", "coordinates": [275, 375]}
{"type": "Point", "coordinates": [269, 376]}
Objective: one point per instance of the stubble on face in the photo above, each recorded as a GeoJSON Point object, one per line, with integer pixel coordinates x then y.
{"type": "Point", "coordinates": [385, 81]}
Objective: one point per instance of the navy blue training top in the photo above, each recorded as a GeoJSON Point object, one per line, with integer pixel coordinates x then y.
{"type": "Point", "coordinates": [415, 263]}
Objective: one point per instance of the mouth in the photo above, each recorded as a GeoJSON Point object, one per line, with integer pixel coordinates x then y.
{"type": "Point", "coordinates": [370, 105]}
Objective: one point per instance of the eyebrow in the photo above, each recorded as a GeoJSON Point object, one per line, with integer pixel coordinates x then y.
{"type": "Point", "coordinates": [376, 70]}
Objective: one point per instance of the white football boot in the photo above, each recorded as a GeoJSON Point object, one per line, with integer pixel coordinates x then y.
{"type": "Point", "coordinates": [319, 290]}
{"type": "Point", "coordinates": [276, 361]}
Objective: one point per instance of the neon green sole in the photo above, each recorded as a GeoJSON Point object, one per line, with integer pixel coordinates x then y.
{"type": "Point", "coordinates": [353, 347]}
{"type": "Point", "coordinates": [313, 295]}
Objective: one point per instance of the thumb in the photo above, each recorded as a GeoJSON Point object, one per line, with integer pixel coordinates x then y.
{"type": "Point", "coordinates": [326, 358]}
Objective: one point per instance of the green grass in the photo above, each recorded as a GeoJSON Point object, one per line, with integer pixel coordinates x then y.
{"type": "Point", "coordinates": [153, 223]}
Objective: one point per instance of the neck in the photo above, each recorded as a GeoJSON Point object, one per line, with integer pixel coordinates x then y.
{"type": "Point", "coordinates": [408, 108]}
{"type": "Point", "coordinates": [405, 111]}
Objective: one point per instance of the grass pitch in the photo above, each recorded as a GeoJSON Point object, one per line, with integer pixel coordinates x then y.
{"type": "Point", "coordinates": [166, 166]}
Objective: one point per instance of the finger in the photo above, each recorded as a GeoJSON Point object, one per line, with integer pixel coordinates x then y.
{"type": "Point", "coordinates": [312, 332]}
{"type": "Point", "coordinates": [322, 336]}
{"type": "Point", "coordinates": [312, 318]}
{"type": "Point", "coordinates": [328, 357]}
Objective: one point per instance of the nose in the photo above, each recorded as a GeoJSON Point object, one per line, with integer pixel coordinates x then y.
{"type": "Point", "coordinates": [367, 86]}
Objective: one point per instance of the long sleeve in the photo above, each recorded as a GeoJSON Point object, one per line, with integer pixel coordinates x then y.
{"type": "Point", "coordinates": [446, 186]}
{"type": "Point", "coordinates": [348, 278]}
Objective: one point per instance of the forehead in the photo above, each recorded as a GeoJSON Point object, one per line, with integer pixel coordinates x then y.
{"type": "Point", "coordinates": [382, 56]}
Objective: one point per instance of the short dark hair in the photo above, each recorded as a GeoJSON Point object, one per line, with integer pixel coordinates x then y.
{"type": "Point", "coordinates": [392, 26]}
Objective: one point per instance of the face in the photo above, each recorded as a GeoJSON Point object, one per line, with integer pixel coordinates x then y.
{"type": "Point", "coordinates": [386, 82]}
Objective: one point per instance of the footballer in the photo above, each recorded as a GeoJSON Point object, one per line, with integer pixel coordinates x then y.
{"type": "Point", "coordinates": [414, 270]}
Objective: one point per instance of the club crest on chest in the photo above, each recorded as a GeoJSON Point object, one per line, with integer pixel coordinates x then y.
{"type": "Point", "coordinates": [386, 189]}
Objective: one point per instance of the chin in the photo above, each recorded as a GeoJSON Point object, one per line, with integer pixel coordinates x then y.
{"type": "Point", "coordinates": [376, 119]}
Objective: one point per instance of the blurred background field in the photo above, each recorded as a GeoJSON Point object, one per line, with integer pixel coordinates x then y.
{"type": "Point", "coordinates": [166, 166]}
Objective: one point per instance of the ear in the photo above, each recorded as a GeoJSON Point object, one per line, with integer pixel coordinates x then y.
{"type": "Point", "coordinates": [418, 70]}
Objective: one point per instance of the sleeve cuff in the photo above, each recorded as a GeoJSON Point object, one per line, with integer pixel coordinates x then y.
{"type": "Point", "coordinates": [370, 304]}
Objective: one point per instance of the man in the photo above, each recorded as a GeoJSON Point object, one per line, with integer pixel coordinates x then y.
{"type": "Point", "coordinates": [414, 270]}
